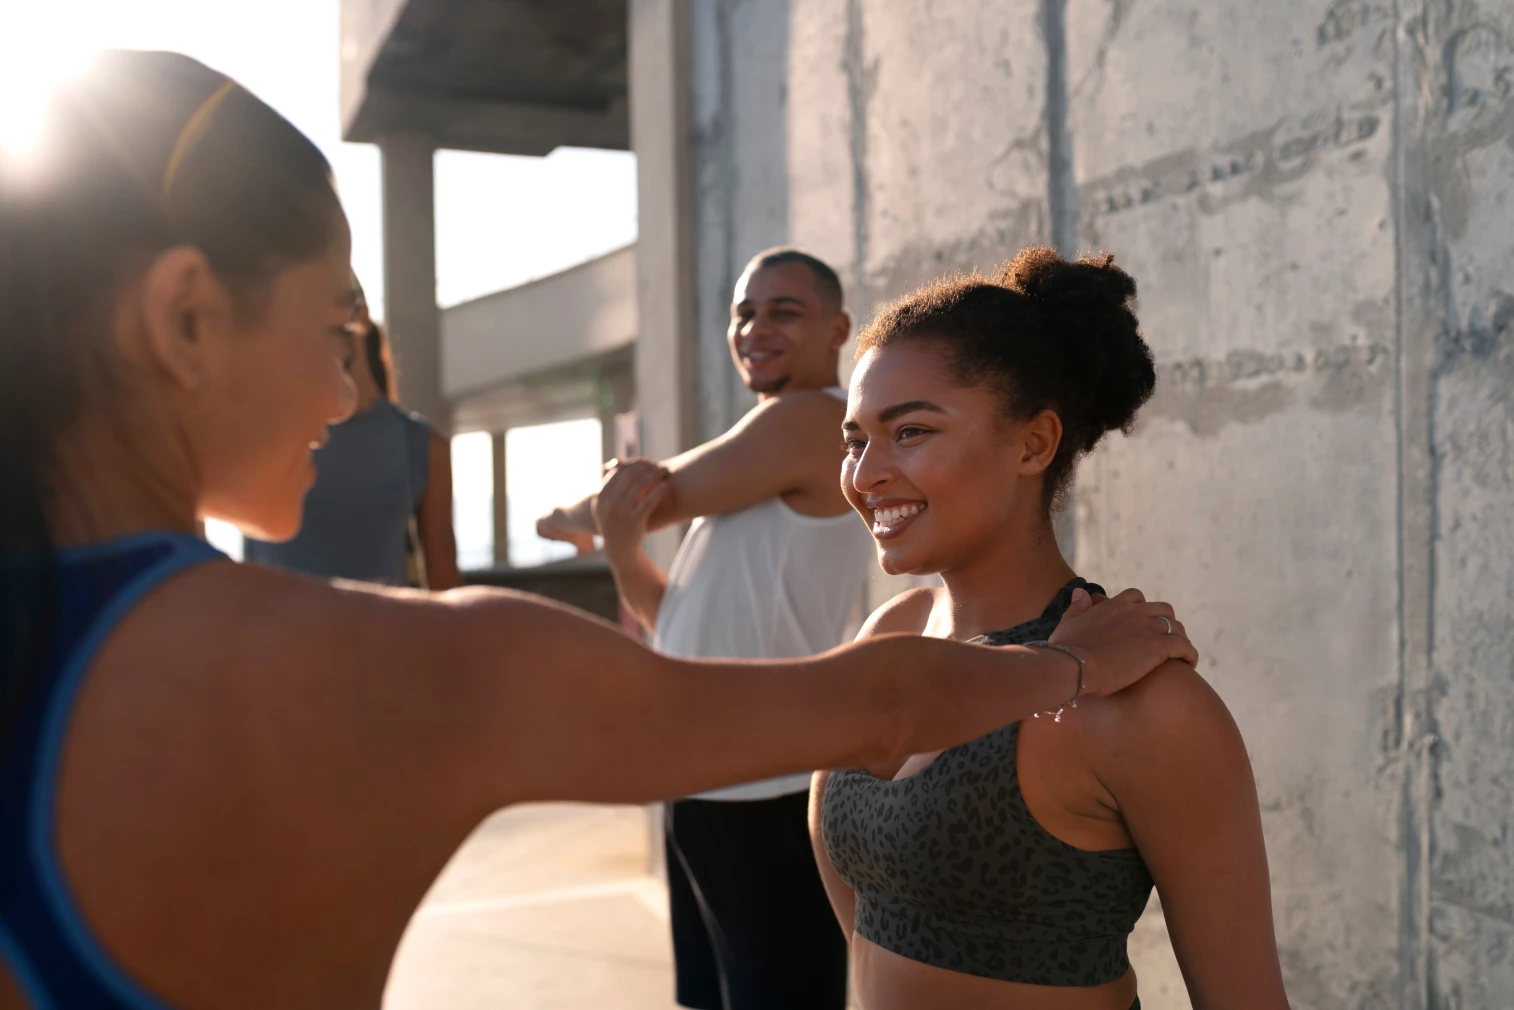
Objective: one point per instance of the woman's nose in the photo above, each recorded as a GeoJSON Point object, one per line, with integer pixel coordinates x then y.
{"type": "Point", "coordinates": [873, 468]}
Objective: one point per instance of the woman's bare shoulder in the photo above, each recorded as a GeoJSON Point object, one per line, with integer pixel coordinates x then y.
{"type": "Point", "coordinates": [907, 613]}
{"type": "Point", "coordinates": [1166, 720]}
{"type": "Point", "coordinates": [274, 639]}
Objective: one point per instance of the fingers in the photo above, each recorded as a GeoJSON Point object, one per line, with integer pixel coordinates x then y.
{"type": "Point", "coordinates": [631, 463]}
{"type": "Point", "coordinates": [1131, 595]}
{"type": "Point", "coordinates": [1165, 618]}
{"type": "Point", "coordinates": [651, 498]}
{"type": "Point", "coordinates": [1180, 648]}
{"type": "Point", "coordinates": [1080, 602]}
{"type": "Point", "coordinates": [628, 481]}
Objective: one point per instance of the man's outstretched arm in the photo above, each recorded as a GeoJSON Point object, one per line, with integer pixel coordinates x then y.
{"type": "Point", "coordinates": [787, 445]}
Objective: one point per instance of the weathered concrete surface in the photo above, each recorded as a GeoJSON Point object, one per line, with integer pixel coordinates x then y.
{"type": "Point", "coordinates": [1460, 161]}
{"type": "Point", "coordinates": [1247, 185]}
{"type": "Point", "coordinates": [1314, 196]}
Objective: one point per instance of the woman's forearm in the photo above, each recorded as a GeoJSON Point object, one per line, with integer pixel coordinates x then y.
{"type": "Point", "coordinates": [640, 584]}
{"type": "Point", "coordinates": [938, 693]}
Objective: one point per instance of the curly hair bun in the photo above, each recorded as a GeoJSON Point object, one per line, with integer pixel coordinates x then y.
{"type": "Point", "coordinates": [1044, 333]}
{"type": "Point", "coordinates": [1109, 371]}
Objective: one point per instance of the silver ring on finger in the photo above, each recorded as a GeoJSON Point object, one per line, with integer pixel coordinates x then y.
{"type": "Point", "coordinates": [1166, 622]}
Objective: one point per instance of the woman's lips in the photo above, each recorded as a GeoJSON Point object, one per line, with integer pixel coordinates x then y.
{"type": "Point", "coordinates": [894, 519]}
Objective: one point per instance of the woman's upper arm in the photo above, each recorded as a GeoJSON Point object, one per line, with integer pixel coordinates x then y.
{"type": "Point", "coordinates": [1177, 766]}
{"type": "Point", "coordinates": [843, 898]}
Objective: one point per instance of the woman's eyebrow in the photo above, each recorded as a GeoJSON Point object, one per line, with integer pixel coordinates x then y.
{"type": "Point", "coordinates": [909, 406]}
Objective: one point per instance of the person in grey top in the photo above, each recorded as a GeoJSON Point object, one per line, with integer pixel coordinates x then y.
{"type": "Point", "coordinates": [379, 469]}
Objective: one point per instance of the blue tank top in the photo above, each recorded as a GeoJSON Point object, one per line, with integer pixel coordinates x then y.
{"type": "Point", "coordinates": [370, 477]}
{"type": "Point", "coordinates": [44, 942]}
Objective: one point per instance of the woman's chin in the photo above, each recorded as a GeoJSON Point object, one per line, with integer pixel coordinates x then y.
{"type": "Point", "coordinates": [275, 528]}
{"type": "Point", "coordinates": [897, 562]}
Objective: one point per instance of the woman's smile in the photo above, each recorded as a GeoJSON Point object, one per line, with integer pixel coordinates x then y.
{"type": "Point", "coordinates": [892, 516]}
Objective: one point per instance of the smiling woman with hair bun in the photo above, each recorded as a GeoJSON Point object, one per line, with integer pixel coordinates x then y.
{"type": "Point", "coordinates": [1007, 872]}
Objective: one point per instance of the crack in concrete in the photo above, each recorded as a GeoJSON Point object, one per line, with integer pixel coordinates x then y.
{"type": "Point", "coordinates": [1093, 77]}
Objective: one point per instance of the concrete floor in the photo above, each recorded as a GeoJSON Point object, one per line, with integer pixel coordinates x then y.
{"type": "Point", "coordinates": [545, 908]}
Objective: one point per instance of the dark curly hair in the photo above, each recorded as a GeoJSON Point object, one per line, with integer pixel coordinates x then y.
{"type": "Point", "coordinates": [1044, 333]}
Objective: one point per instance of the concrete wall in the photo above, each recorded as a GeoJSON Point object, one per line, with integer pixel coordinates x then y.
{"type": "Point", "coordinates": [1314, 196]}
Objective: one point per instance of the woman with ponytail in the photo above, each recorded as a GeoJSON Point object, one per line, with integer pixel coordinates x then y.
{"type": "Point", "coordinates": [224, 786]}
{"type": "Point", "coordinates": [1006, 873]}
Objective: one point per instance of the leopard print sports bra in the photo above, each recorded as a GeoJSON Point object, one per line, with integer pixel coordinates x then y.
{"type": "Point", "coordinates": [951, 869]}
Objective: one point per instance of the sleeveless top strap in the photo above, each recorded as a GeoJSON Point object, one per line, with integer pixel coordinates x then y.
{"type": "Point", "coordinates": [44, 941]}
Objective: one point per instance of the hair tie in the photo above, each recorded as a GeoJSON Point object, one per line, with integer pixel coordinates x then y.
{"type": "Point", "coordinates": [192, 131]}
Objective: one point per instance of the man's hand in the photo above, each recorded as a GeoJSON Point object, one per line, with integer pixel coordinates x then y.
{"type": "Point", "coordinates": [631, 491]}
{"type": "Point", "coordinates": [559, 524]}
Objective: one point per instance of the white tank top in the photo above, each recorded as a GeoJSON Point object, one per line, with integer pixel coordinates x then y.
{"type": "Point", "coordinates": [763, 583]}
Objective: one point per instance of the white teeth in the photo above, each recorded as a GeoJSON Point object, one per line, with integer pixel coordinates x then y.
{"type": "Point", "coordinates": [887, 517]}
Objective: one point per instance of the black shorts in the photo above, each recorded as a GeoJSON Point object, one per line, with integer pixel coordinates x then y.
{"type": "Point", "coordinates": [752, 927]}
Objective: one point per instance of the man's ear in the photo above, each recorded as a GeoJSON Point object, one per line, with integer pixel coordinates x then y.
{"type": "Point", "coordinates": [184, 306]}
{"type": "Point", "coordinates": [843, 330]}
{"type": "Point", "coordinates": [1040, 437]}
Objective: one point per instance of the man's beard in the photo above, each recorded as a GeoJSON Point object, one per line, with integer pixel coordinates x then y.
{"type": "Point", "coordinates": [771, 387]}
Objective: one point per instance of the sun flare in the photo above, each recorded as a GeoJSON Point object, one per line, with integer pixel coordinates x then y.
{"type": "Point", "coordinates": [32, 64]}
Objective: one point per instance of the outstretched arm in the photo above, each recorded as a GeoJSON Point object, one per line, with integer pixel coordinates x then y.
{"type": "Point", "coordinates": [1177, 767]}
{"type": "Point", "coordinates": [783, 446]}
{"type": "Point", "coordinates": [545, 703]}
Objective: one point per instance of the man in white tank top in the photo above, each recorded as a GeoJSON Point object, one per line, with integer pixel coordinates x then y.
{"type": "Point", "coordinates": [771, 568]}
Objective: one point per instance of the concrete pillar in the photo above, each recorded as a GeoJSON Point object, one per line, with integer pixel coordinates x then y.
{"type": "Point", "coordinates": [617, 397]}
{"type": "Point", "coordinates": [659, 109]}
{"type": "Point", "coordinates": [501, 503]}
{"type": "Point", "coordinates": [410, 273]}
{"type": "Point", "coordinates": [665, 365]}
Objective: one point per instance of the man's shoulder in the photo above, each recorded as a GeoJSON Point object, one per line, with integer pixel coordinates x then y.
{"type": "Point", "coordinates": [802, 413]}
{"type": "Point", "coordinates": [801, 402]}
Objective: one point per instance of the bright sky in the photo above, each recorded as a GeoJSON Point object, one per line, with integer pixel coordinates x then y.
{"type": "Point", "coordinates": [500, 220]}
